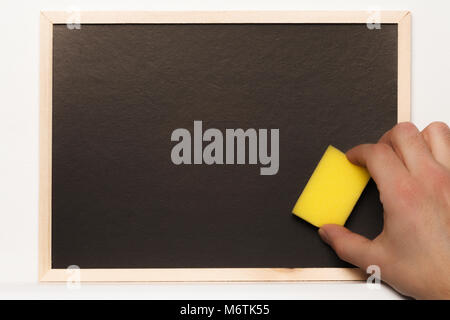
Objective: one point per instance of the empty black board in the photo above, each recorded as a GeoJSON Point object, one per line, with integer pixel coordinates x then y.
{"type": "Point", "coordinates": [119, 90]}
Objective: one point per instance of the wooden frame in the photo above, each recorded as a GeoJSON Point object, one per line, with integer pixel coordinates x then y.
{"type": "Point", "coordinates": [47, 19]}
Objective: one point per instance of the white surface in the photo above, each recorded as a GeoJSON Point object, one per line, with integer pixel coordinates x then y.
{"type": "Point", "coordinates": [19, 57]}
{"type": "Point", "coordinates": [249, 291]}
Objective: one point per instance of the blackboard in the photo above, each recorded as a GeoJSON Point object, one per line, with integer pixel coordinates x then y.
{"type": "Point", "coordinates": [119, 91]}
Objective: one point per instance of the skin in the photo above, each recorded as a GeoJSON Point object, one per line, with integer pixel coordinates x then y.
{"type": "Point", "coordinates": [412, 173]}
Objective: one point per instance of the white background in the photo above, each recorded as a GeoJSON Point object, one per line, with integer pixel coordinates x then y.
{"type": "Point", "coordinates": [19, 57]}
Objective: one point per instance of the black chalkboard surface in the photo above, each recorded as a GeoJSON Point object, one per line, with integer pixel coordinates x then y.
{"type": "Point", "coordinates": [120, 90]}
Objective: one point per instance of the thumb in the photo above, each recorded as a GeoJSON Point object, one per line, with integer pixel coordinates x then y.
{"type": "Point", "coordinates": [349, 246]}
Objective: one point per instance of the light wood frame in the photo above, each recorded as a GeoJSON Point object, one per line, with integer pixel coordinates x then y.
{"type": "Point", "coordinates": [48, 18]}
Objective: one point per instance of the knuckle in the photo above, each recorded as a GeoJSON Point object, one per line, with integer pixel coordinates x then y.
{"type": "Point", "coordinates": [437, 128]}
{"type": "Point", "coordinates": [428, 168]}
{"type": "Point", "coordinates": [440, 180]}
{"type": "Point", "coordinates": [380, 150]}
{"type": "Point", "coordinates": [404, 129]}
{"type": "Point", "coordinates": [407, 191]}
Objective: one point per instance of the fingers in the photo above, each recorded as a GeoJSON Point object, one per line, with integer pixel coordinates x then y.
{"type": "Point", "coordinates": [437, 137]}
{"type": "Point", "coordinates": [349, 246]}
{"type": "Point", "coordinates": [383, 164]}
{"type": "Point", "coordinates": [410, 146]}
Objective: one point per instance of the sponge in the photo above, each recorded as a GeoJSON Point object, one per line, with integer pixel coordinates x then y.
{"type": "Point", "coordinates": [332, 191]}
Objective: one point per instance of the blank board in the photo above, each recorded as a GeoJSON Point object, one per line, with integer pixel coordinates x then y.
{"type": "Point", "coordinates": [115, 87]}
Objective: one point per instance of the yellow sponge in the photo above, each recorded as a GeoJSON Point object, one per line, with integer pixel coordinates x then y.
{"type": "Point", "coordinates": [332, 191]}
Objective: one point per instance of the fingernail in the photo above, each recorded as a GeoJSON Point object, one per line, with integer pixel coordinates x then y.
{"type": "Point", "coordinates": [323, 235]}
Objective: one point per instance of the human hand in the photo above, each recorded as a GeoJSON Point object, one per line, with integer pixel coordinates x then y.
{"type": "Point", "coordinates": [412, 173]}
